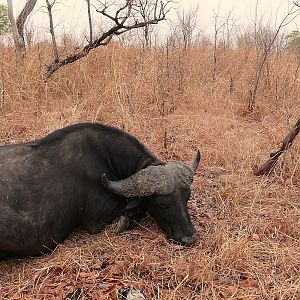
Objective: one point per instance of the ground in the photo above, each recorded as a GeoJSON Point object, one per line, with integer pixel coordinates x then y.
{"type": "Point", "coordinates": [248, 226]}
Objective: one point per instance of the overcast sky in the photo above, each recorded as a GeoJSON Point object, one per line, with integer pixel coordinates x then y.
{"type": "Point", "coordinates": [70, 15]}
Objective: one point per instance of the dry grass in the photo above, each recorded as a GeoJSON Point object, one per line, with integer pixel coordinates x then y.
{"type": "Point", "coordinates": [248, 227]}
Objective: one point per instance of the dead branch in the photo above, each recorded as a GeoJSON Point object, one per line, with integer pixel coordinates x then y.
{"type": "Point", "coordinates": [267, 167]}
{"type": "Point", "coordinates": [126, 17]}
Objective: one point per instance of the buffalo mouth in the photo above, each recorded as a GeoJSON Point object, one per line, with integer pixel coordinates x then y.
{"type": "Point", "coordinates": [187, 241]}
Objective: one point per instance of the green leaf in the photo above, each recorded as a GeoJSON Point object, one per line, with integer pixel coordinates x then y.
{"type": "Point", "coordinates": [5, 26]}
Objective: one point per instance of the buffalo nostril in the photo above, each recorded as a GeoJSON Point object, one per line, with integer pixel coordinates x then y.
{"type": "Point", "coordinates": [189, 240]}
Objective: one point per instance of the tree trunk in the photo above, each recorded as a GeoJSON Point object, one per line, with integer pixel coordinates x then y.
{"type": "Point", "coordinates": [29, 6]}
{"type": "Point", "coordinates": [18, 26]}
{"type": "Point", "coordinates": [19, 42]}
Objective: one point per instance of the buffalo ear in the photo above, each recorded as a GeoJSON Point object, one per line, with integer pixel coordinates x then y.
{"type": "Point", "coordinates": [133, 207]}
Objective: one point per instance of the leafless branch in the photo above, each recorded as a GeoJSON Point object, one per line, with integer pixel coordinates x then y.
{"type": "Point", "coordinates": [126, 17]}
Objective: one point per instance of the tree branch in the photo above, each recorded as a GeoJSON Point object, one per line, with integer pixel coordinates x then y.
{"type": "Point", "coordinates": [126, 18]}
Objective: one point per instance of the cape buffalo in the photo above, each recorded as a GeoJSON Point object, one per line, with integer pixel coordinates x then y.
{"type": "Point", "coordinates": [87, 175]}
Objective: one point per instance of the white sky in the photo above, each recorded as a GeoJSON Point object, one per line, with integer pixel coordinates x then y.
{"type": "Point", "coordinates": [71, 14]}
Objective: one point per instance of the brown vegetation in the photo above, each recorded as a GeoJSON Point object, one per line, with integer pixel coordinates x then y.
{"type": "Point", "coordinates": [248, 226]}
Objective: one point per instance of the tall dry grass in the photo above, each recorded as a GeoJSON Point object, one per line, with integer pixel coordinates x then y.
{"type": "Point", "coordinates": [248, 227]}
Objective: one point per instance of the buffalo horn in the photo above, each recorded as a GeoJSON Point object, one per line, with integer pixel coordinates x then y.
{"type": "Point", "coordinates": [196, 162]}
{"type": "Point", "coordinates": [154, 180]}
{"type": "Point", "coordinates": [146, 182]}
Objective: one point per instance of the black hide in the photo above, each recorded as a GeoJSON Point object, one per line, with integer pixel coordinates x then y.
{"type": "Point", "coordinates": [51, 186]}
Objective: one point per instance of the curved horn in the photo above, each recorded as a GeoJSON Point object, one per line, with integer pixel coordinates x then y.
{"type": "Point", "coordinates": [196, 162]}
{"type": "Point", "coordinates": [146, 182]}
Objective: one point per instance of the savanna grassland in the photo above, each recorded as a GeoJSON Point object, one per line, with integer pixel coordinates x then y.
{"type": "Point", "coordinates": [248, 226]}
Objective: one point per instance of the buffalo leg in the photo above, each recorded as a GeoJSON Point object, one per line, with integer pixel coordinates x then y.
{"type": "Point", "coordinates": [125, 223]}
{"type": "Point", "coordinates": [130, 218]}
{"type": "Point", "coordinates": [100, 212]}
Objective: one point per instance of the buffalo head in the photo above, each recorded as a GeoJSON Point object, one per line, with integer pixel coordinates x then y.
{"type": "Point", "coordinates": [164, 191]}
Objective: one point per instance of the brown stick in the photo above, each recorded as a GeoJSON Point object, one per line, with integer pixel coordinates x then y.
{"type": "Point", "coordinates": [267, 167]}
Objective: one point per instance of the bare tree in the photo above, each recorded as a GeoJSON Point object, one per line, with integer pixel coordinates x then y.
{"type": "Point", "coordinates": [219, 24]}
{"type": "Point", "coordinates": [256, 23]}
{"type": "Point", "coordinates": [187, 25]}
{"type": "Point", "coordinates": [182, 31]}
{"type": "Point", "coordinates": [19, 45]}
{"type": "Point", "coordinates": [228, 32]}
{"type": "Point", "coordinates": [27, 9]}
{"type": "Point", "coordinates": [182, 36]}
{"type": "Point", "coordinates": [289, 17]}
{"type": "Point", "coordinates": [146, 11]}
{"type": "Point", "coordinates": [19, 24]}
{"type": "Point", "coordinates": [125, 18]}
